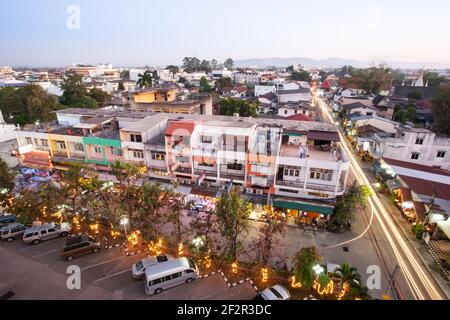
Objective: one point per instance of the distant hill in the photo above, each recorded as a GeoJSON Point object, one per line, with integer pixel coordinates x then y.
{"type": "Point", "coordinates": [332, 63]}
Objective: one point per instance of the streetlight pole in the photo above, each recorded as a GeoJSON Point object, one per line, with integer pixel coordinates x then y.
{"type": "Point", "coordinates": [124, 222]}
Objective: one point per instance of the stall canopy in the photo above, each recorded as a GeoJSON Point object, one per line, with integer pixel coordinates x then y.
{"type": "Point", "coordinates": [445, 227]}
{"type": "Point", "coordinates": [303, 206]}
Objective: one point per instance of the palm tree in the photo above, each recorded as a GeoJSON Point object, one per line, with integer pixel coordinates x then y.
{"type": "Point", "coordinates": [348, 275]}
{"type": "Point", "coordinates": [357, 292]}
{"type": "Point", "coordinates": [145, 79]}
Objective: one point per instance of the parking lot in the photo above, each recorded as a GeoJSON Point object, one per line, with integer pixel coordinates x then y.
{"type": "Point", "coordinates": [38, 272]}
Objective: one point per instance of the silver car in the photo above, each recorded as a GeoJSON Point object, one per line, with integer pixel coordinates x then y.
{"type": "Point", "coordinates": [46, 231]}
{"type": "Point", "coordinates": [12, 231]}
{"type": "Point", "coordinates": [277, 292]}
{"type": "Point", "coordinates": [138, 269]}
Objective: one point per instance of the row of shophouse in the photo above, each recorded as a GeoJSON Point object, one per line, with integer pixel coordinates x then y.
{"type": "Point", "coordinates": [297, 166]}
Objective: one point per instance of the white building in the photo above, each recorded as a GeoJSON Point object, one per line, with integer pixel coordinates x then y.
{"type": "Point", "coordinates": [291, 109]}
{"type": "Point", "coordinates": [262, 90]}
{"type": "Point", "coordinates": [134, 74]}
{"type": "Point", "coordinates": [414, 145]}
{"type": "Point", "coordinates": [247, 77]}
{"type": "Point", "coordinates": [7, 131]}
{"type": "Point", "coordinates": [225, 73]}
{"type": "Point", "coordinates": [297, 95]}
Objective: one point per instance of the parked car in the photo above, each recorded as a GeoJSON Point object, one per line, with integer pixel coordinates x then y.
{"type": "Point", "coordinates": [12, 231]}
{"type": "Point", "coordinates": [138, 269]}
{"type": "Point", "coordinates": [277, 292]}
{"type": "Point", "coordinates": [7, 219]}
{"type": "Point", "coordinates": [77, 246]}
{"type": "Point", "coordinates": [46, 231]}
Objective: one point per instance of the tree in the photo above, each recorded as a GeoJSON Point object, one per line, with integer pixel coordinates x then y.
{"type": "Point", "coordinates": [441, 110]}
{"type": "Point", "coordinates": [371, 80]}
{"type": "Point", "coordinates": [232, 212]}
{"type": "Point", "coordinates": [214, 64]}
{"type": "Point", "coordinates": [303, 264]}
{"type": "Point", "coordinates": [323, 75]}
{"type": "Point", "coordinates": [125, 74]}
{"type": "Point", "coordinates": [433, 79]}
{"type": "Point", "coordinates": [348, 275]}
{"type": "Point", "coordinates": [357, 292]}
{"type": "Point", "coordinates": [172, 68]}
{"type": "Point", "coordinates": [415, 95]}
{"type": "Point", "coordinates": [244, 108]}
{"type": "Point", "coordinates": [75, 93]}
{"type": "Point", "coordinates": [145, 79]}
{"type": "Point", "coordinates": [103, 98]}
{"type": "Point", "coordinates": [205, 66]}
{"type": "Point", "coordinates": [290, 69]}
{"type": "Point", "coordinates": [6, 180]}
{"type": "Point", "coordinates": [175, 205]}
{"type": "Point", "coordinates": [346, 204]}
{"type": "Point", "coordinates": [274, 227]}
{"type": "Point", "coordinates": [223, 84]}
{"type": "Point", "coordinates": [191, 64]}
{"type": "Point", "coordinates": [205, 225]}
{"type": "Point", "coordinates": [229, 64]}
{"type": "Point", "coordinates": [300, 76]}
{"type": "Point", "coordinates": [204, 85]}
{"type": "Point", "coordinates": [27, 104]}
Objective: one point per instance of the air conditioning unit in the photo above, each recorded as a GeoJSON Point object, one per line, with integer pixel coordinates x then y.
{"type": "Point", "coordinates": [259, 191]}
{"type": "Point", "coordinates": [249, 190]}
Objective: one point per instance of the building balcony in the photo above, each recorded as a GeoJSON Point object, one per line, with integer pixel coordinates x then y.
{"type": "Point", "coordinates": [311, 186]}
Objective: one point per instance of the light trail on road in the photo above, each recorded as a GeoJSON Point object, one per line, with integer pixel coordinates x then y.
{"type": "Point", "coordinates": [413, 271]}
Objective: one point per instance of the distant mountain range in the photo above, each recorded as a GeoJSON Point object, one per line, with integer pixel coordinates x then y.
{"type": "Point", "coordinates": [333, 63]}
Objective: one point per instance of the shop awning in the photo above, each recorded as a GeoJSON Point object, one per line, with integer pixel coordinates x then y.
{"type": "Point", "coordinates": [393, 184]}
{"type": "Point", "coordinates": [304, 206]}
{"type": "Point", "coordinates": [445, 227]}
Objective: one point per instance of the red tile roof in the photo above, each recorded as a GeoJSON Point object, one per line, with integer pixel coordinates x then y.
{"type": "Point", "coordinates": [427, 187]}
{"type": "Point", "coordinates": [418, 167]}
{"type": "Point", "coordinates": [180, 128]}
{"type": "Point", "coordinates": [420, 210]}
{"type": "Point", "coordinates": [300, 117]}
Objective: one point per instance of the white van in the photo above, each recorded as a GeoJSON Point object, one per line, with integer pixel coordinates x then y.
{"type": "Point", "coordinates": [169, 274]}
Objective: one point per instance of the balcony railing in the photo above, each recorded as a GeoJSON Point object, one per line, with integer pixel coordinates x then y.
{"type": "Point", "coordinates": [312, 186]}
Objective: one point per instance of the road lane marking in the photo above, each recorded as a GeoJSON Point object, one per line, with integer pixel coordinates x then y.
{"type": "Point", "coordinates": [113, 275]}
{"type": "Point", "coordinates": [101, 263]}
{"type": "Point", "coordinates": [44, 253]}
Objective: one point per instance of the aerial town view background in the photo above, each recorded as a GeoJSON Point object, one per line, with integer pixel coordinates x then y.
{"type": "Point", "coordinates": [181, 169]}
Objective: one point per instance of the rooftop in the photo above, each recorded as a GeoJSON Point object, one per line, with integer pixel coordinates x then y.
{"type": "Point", "coordinates": [144, 124]}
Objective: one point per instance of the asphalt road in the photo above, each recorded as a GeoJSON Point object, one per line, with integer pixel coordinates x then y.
{"type": "Point", "coordinates": [414, 281]}
{"type": "Point", "coordinates": [37, 272]}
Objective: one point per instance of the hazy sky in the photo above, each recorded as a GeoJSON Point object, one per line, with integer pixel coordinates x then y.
{"type": "Point", "coordinates": [157, 32]}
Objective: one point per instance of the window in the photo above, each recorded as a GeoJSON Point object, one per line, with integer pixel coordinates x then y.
{"type": "Point", "coordinates": [415, 155]}
{"type": "Point", "coordinates": [155, 282]}
{"type": "Point", "coordinates": [158, 156]}
{"type": "Point", "coordinates": [321, 174]}
{"type": "Point", "coordinates": [292, 171]}
{"type": "Point", "coordinates": [369, 113]}
{"type": "Point", "coordinates": [288, 191]}
{"type": "Point", "coordinates": [36, 141]}
{"type": "Point", "coordinates": [43, 231]}
{"type": "Point", "coordinates": [234, 166]}
{"type": "Point", "coordinates": [98, 149]}
{"type": "Point", "coordinates": [116, 151]}
{"type": "Point", "coordinates": [44, 142]}
{"type": "Point", "coordinates": [61, 145]}
{"type": "Point", "coordinates": [29, 140]}
{"type": "Point", "coordinates": [419, 141]}
{"type": "Point", "coordinates": [206, 139]}
{"type": "Point", "coordinates": [285, 111]}
{"type": "Point", "coordinates": [78, 146]}
{"type": "Point", "coordinates": [51, 230]}
{"type": "Point", "coordinates": [441, 154]}
{"type": "Point", "coordinates": [136, 137]}
{"type": "Point", "coordinates": [138, 154]}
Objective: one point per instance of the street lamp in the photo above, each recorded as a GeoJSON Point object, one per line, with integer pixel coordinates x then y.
{"type": "Point", "coordinates": [124, 222]}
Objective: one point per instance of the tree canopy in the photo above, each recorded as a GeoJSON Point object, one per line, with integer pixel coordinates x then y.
{"type": "Point", "coordinates": [145, 79]}
{"type": "Point", "coordinates": [230, 106]}
{"type": "Point", "coordinates": [441, 110]}
{"type": "Point", "coordinates": [27, 104]}
{"type": "Point", "coordinates": [75, 93]}
{"type": "Point", "coordinates": [229, 64]}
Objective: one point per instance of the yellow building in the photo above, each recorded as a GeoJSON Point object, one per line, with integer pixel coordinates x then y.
{"type": "Point", "coordinates": [155, 95]}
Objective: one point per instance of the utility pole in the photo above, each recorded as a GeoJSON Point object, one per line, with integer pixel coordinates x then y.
{"type": "Point", "coordinates": [392, 279]}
